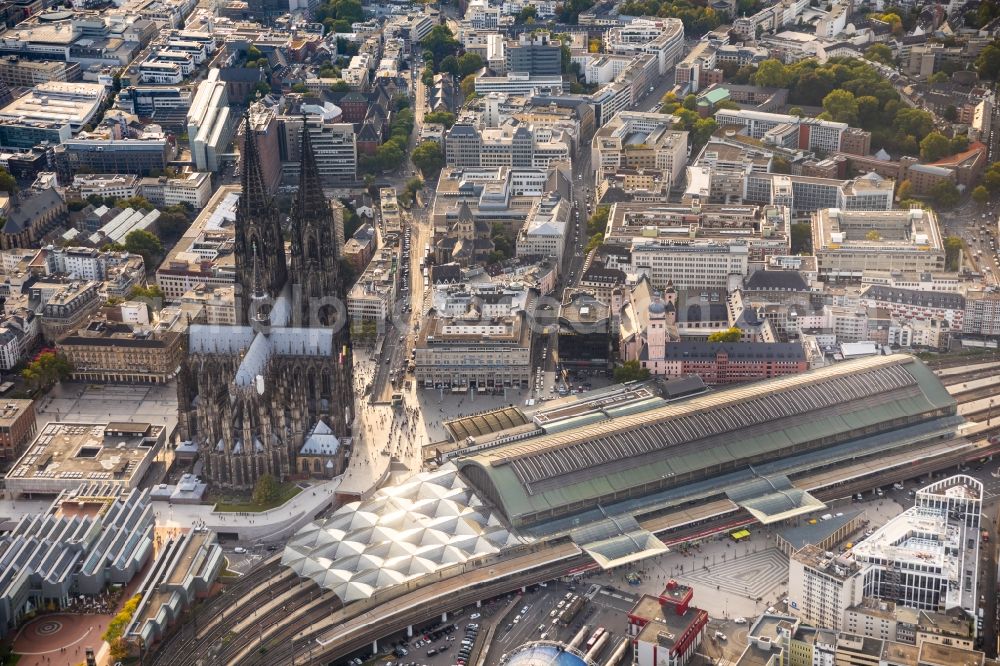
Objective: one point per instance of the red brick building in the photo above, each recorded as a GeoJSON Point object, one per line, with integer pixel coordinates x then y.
{"type": "Point", "coordinates": [732, 362]}
{"type": "Point", "coordinates": [666, 629]}
{"type": "Point", "coordinates": [17, 427]}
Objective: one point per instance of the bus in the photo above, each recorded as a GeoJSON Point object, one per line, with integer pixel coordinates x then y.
{"type": "Point", "coordinates": [595, 637]}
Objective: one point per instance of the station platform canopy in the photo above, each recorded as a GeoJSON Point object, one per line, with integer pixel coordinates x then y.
{"type": "Point", "coordinates": [616, 541]}
{"type": "Point", "coordinates": [771, 499]}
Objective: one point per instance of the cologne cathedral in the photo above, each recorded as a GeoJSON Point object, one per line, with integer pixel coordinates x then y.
{"type": "Point", "coordinates": [272, 394]}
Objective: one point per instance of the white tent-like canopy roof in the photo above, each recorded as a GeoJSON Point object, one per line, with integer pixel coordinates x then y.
{"type": "Point", "coordinates": [403, 532]}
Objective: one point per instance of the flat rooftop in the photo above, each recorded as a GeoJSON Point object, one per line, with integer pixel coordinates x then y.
{"type": "Point", "coordinates": [87, 452]}
{"type": "Point", "coordinates": [933, 654]}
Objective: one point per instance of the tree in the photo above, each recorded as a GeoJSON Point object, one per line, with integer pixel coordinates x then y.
{"type": "Point", "coordinates": [780, 165]}
{"type": "Point", "coordinates": [468, 86]}
{"type": "Point", "coordinates": [915, 122]}
{"type": "Point", "coordinates": [446, 118]}
{"type": "Point", "coordinates": [630, 371]}
{"type": "Point", "coordinates": [46, 369]}
{"type": "Point", "coordinates": [873, 236]}
{"type": "Point", "coordinates": [145, 244]}
{"type": "Point", "coordinates": [428, 157]}
{"type": "Point", "coordinates": [172, 225]}
{"type": "Point", "coordinates": [934, 146]}
{"type": "Point", "coordinates": [904, 190]}
{"type": "Point", "coordinates": [796, 111]}
{"type": "Point", "coordinates": [981, 195]}
{"type": "Point", "coordinates": [469, 63]}
{"type": "Point", "coordinates": [528, 14]}
{"type": "Point", "coordinates": [7, 182]}
{"type": "Point", "coordinates": [944, 194]}
{"type": "Point", "coordinates": [771, 74]}
{"type": "Point", "coordinates": [598, 221]}
{"type": "Point", "coordinates": [842, 107]}
{"type": "Point", "coordinates": [340, 86]}
{"type": "Point", "coordinates": [441, 43]}
{"type": "Point", "coordinates": [300, 88]}
{"type": "Point", "coordinates": [938, 77]}
{"type": "Point", "coordinates": [731, 334]}
{"type": "Point", "coordinates": [690, 102]}
{"type": "Point", "coordinates": [879, 53]}
{"type": "Point", "coordinates": [988, 62]}
{"type": "Point", "coordinates": [265, 491]}
{"type": "Point", "coordinates": [953, 247]}
{"type": "Point", "coordinates": [150, 295]}
{"type": "Point", "coordinates": [801, 238]}
{"type": "Point", "coordinates": [449, 65]}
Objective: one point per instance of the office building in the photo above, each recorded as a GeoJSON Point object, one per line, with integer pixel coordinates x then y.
{"type": "Point", "coordinates": [637, 140]}
{"type": "Point", "coordinates": [545, 229]}
{"type": "Point", "coordinates": [928, 556]}
{"type": "Point", "coordinates": [688, 264]}
{"type": "Point", "coordinates": [99, 154]}
{"type": "Point", "coordinates": [535, 54]}
{"type": "Point", "coordinates": [512, 145]}
{"type": "Point", "coordinates": [16, 71]}
{"type": "Point", "coordinates": [333, 141]}
{"type": "Point", "coordinates": [785, 130]}
{"type": "Point", "coordinates": [66, 454]}
{"type": "Point", "coordinates": [667, 630]}
{"type": "Point", "coordinates": [463, 352]}
{"type": "Point", "coordinates": [846, 243]}
{"type": "Point", "coordinates": [119, 352]}
{"type": "Point", "coordinates": [210, 123]}
{"type": "Point", "coordinates": [53, 111]}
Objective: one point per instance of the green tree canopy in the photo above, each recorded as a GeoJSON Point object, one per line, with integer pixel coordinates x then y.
{"type": "Point", "coordinates": [598, 221]}
{"type": "Point", "coordinates": [879, 53]}
{"type": "Point", "coordinates": [953, 247]}
{"type": "Point", "coordinates": [980, 194]}
{"type": "Point", "coordinates": [469, 63]}
{"type": "Point", "coordinates": [731, 334]}
{"type": "Point", "coordinates": [428, 157]}
{"type": "Point", "coordinates": [46, 369]}
{"type": "Point", "coordinates": [145, 244]}
{"type": "Point", "coordinates": [842, 107]}
{"type": "Point", "coordinates": [630, 371]}
{"type": "Point", "coordinates": [934, 146]}
{"type": "Point", "coordinates": [441, 43]}
{"type": "Point", "coordinates": [265, 491]}
{"type": "Point", "coordinates": [944, 194]}
{"type": "Point", "coordinates": [446, 118]}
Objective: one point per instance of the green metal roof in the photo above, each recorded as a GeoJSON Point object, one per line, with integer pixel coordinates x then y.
{"type": "Point", "coordinates": [629, 473]}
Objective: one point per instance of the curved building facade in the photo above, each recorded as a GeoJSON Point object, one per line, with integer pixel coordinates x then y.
{"type": "Point", "coordinates": [544, 653]}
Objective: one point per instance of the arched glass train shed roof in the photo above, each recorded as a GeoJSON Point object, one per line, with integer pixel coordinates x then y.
{"type": "Point", "coordinates": [615, 459]}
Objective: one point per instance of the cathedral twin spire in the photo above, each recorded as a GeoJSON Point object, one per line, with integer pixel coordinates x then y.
{"type": "Point", "coordinates": [260, 247]}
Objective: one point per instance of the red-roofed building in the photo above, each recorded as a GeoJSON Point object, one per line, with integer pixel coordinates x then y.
{"type": "Point", "coordinates": [968, 166]}
{"type": "Point", "coordinates": [666, 630]}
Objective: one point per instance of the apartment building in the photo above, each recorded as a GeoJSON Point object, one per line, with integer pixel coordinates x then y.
{"type": "Point", "coordinates": [982, 312]}
{"type": "Point", "coordinates": [65, 306]}
{"type": "Point", "coordinates": [821, 586]}
{"type": "Point", "coordinates": [373, 296]}
{"type": "Point", "coordinates": [119, 352]}
{"type": "Point", "coordinates": [194, 189]}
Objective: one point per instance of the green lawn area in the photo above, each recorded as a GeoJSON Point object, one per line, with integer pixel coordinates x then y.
{"type": "Point", "coordinates": [286, 491]}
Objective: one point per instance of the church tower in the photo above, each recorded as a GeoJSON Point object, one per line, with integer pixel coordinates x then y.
{"type": "Point", "coordinates": [258, 230]}
{"type": "Point", "coordinates": [315, 268]}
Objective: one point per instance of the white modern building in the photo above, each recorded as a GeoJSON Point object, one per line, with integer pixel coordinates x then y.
{"type": "Point", "coordinates": [210, 123]}
{"type": "Point", "coordinates": [689, 265]}
{"type": "Point", "coordinates": [928, 556]}
{"type": "Point", "coordinates": [544, 231]}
